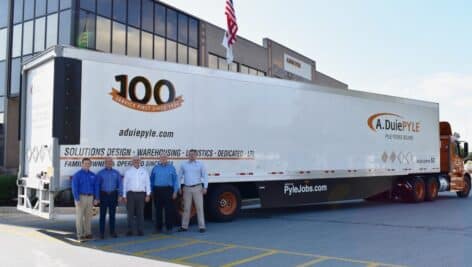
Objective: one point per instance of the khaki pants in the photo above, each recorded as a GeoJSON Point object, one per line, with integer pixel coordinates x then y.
{"type": "Point", "coordinates": [83, 216]}
{"type": "Point", "coordinates": [193, 193]}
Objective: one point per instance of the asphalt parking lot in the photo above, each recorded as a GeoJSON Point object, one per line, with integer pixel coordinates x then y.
{"type": "Point", "coordinates": [349, 234]}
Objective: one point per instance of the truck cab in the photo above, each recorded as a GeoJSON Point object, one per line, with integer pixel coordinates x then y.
{"type": "Point", "coordinates": [453, 153]}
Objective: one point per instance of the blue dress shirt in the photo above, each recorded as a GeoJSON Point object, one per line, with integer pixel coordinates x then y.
{"type": "Point", "coordinates": [84, 183]}
{"type": "Point", "coordinates": [165, 175]}
{"type": "Point", "coordinates": [109, 180]}
{"type": "Point", "coordinates": [193, 172]}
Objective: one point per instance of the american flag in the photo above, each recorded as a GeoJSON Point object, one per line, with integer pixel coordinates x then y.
{"type": "Point", "coordinates": [230, 34]}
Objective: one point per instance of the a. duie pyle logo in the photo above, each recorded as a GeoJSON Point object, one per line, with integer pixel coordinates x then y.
{"type": "Point", "coordinates": [392, 122]}
{"type": "Point", "coordinates": [128, 97]}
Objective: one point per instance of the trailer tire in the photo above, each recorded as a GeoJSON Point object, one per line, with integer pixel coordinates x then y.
{"type": "Point", "coordinates": [432, 189]}
{"type": "Point", "coordinates": [418, 190]}
{"type": "Point", "coordinates": [465, 193]}
{"type": "Point", "coordinates": [223, 203]}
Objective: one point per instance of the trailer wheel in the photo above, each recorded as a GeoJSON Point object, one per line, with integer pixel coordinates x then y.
{"type": "Point", "coordinates": [223, 203]}
{"type": "Point", "coordinates": [465, 193]}
{"type": "Point", "coordinates": [418, 190]}
{"type": "Point", "coordinates": [432, 189]}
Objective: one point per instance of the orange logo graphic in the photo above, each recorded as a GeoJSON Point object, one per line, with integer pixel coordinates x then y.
{"type": "Point", "coordinates": [388, 121]}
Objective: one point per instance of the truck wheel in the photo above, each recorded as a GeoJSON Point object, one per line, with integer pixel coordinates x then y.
{"type": "Point", "coordinates": [432, 189]}
{"type": "Point", "coordinates": [418, 190]}
{"type": "Point", "coordinates": [223, 203]}
{"type": "Point", "coordinates": [465, 193]}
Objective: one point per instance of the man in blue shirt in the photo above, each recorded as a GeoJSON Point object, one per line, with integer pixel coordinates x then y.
{"type": "Point", "coordinates": [165, 187]}
{"type": "Point", "coordinates": [195, 182]}
{"type": "Point", "coordinates": [84, 189]}
{"type": "Point", "coordinates": [109, 182]}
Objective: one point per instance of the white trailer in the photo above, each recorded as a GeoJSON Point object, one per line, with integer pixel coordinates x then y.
{"type": "Point", "coordinates": [286, 143]}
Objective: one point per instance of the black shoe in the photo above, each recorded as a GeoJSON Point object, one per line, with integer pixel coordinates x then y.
{"type": "Point", "coordinates": [202, 230]}
{"type": "Point", "coordinates": [181, 229]}
{"type": "Point", "coordinates": [102, 236]}
{"type": "Point", "coordinates": [140, 233]}
{"type": "Point", "coordinates": [114, 235]}
{"type": "Point", "coordinates": [129, 233]}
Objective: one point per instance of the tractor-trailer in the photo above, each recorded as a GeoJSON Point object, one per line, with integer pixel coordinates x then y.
{"type": "Point", "coordinates": [282, 142]}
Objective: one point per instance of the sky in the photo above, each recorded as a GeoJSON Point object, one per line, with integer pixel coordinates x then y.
{"type": "Point", "coordinates": [419, 49]}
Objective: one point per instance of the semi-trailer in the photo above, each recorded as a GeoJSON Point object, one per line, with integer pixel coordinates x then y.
{"type": "Point", "coordinates": [281, 142]}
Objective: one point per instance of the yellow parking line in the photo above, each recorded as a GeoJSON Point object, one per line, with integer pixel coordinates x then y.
{"type": "Point", "coordinates": [140, 253]}
{"type": "Point", "coordinates": [313, 262]}
{"type": "Point", "coordinates": [203, 253]}
{"type": "Point", "coordinates": [132, 242]}
{"type": "Point", "coordinates": [253, 258]}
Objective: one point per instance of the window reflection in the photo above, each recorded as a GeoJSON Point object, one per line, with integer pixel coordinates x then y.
{"type": "Point", "coordinates": [119, 38]}
{"type": "Point", "coordinates": [103, 34]}
{"type": "Point", "coordinates": [51, 38]}
{"type": "Point", "coordinates": [159, 48]}
{"type": "Point", "coordinates": [39, 34]}
{"type": "Point", "coordinates": [133, 42]}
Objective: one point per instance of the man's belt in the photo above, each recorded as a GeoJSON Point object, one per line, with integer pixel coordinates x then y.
{"type": "Point", "coordinates": [194, 185]}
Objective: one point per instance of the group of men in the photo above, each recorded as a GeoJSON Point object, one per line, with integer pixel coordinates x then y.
{"type": "Point", "coordinates": [107, 188]}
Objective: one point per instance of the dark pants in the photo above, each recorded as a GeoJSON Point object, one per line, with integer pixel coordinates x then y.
{"type": "Point", "coordinates": [108, 201]}
{"type": "Point", "coordinates": [135, 207]}
{"type": "Point", "coordinates": [163, 201]}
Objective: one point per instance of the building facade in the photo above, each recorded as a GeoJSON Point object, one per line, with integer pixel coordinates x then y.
{"type": "Point", "coordinates": [139, 28]}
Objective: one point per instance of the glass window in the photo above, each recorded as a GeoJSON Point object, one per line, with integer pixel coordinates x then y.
{"type": "Point", "coordinates": [64, 27]}
{"type": "Point", "coordinates": [53, 5]}
{"type": "Point", "coordinates": [183, 28]}
{"type": "Point", "coordinates": [2, 77]}
{"type": "Point", "coordinates": [40, 8]}
{"type": "Point", "coordinates": [86, 33]}
{"type": "Point", "coordinates": [133, 42]}
{"type": "Point", "coordinates": [39, 34]}
{"type": "Point", "coordinates": [148, 15]}
{"type": "Point", "coordinates": [15, 76]}
{"type": "Point", "coordinates": [171, 24]}
{"type": "Point", "coordinates": [171, 51]}
{"type": "Point", "coordinates": [222, 64]}
{"type": "Point", "coordinates": [51, 37]}
{"type": "Point", "coordinates": [17, 34]}
{"type": "Point", "coordinates": [243, 69]}
{"type": "Point", "coordinates": [3, 44]}
{"type": "Point", "coordinates": [104, 8]}
{"type": "Point", "coordinates": [2, 110]}
{"type": "Point", "coordinates": [146, 45]}
{"type": "Point", "coordinates": [119, 10]}
{"type": "Point", "coordinates": [261, 73]}
{"type": "Point", "coordinates": [29, 9]}
{"type": "Point", "coordinates": [119, 38]}
{"type": "Point", "coordinates": [159, 48]}
{"type": "Point", "coordinates": [28, 38]}
{"type": "Point", "coordinates": [192, 56]}
{"type": "Point", "coordinates": [88, 5]}
{"type": "Point", "coordinates": [103, 34]}
{"type": "Point", "coordinates": [3, 13]}
{"type": "Point", "coordinates": [212, 62]}
{"type": "Point", "coordinates": [233, 67]}
{"type": "Point", "coordinates": [160, 20]}
{"type": "Point", "coordinates": [134, 13]}
{"type": "Point", "coordinates": [252, 71]}
{"type": "Point", "coordinates": [66, 4]}
{"type": "Point", "coordinates": [193, 33]}
{"type": "Point", "coordinates": [17, 11]}
{"type": "Point", "coordinates": [182, 53]}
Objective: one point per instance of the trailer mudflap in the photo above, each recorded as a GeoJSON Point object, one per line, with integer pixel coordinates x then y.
{"type": "Point", "coordinates": [299, 192]}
